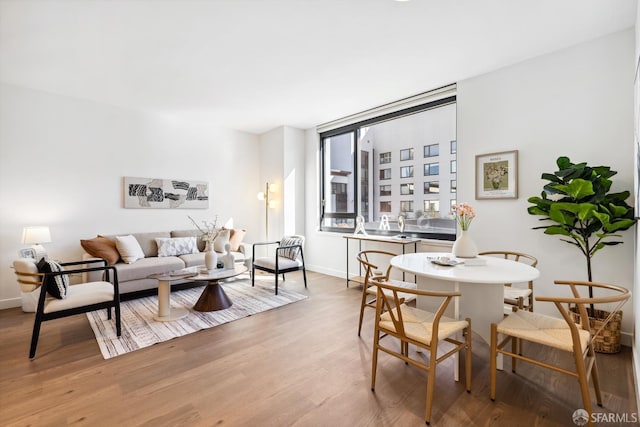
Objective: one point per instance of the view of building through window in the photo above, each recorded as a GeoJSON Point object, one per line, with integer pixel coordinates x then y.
{"type": "Point", "coordinates": [406, 166]}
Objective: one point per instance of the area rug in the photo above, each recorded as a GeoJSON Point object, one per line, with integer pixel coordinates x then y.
{"type": "Point", "coordinates": [139, 330]}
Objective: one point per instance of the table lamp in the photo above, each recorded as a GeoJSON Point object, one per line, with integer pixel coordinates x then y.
{"type": "Point", "coordinates": [36, 236]}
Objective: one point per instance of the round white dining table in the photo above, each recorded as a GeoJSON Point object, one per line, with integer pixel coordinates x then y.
{"type": "Point", "coordinates": [480, 286]}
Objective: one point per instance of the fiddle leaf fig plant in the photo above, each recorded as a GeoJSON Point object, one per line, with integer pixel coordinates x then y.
{"type": "Point", "coordinates": [584, 213]}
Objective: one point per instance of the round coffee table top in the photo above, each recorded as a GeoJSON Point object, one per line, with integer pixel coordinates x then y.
{"type": "Point", "coordinates": [218, 273]}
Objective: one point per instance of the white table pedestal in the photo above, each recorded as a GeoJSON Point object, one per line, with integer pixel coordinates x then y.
{"type": "Point", "coordinates": [165, 312]}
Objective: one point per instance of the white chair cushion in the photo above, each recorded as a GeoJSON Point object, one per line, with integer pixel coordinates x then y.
{"type": "Point", "coordinates": [81, 295]}
{"type": "Point", "coordinates": [418, 324]}
{"type": "Point", "coordinates": [541, 329]}
{"type": "Point", "coordinates": [283, 263]}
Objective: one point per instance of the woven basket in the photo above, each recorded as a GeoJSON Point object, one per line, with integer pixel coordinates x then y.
{"type": "Point", "coordinates": [608, 340]}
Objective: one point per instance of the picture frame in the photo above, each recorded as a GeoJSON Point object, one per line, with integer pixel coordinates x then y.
{"type": "Point", "coordinates": [497, 175]}
{"type": "Point", "coordinates": [163, 193]}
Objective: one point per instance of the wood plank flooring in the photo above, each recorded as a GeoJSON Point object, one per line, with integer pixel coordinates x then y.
{"type": "Point", "coordinates": [299, 365]}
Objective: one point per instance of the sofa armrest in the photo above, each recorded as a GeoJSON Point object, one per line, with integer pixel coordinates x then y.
{"type": "Point", "coordinates": [91, 276]}
{"type": "Point", "coordinates": [245, 249]}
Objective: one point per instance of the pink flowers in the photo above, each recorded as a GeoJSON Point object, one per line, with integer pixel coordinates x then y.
{"type": "Point", "coordinates": [464, 215]}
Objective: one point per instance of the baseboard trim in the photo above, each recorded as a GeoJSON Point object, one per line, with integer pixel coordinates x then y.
{"type": "Point", "coordinates": [10, 303]}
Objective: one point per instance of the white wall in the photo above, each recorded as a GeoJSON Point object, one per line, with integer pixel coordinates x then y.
{"type": "Point", "coordinates": [271, 167]}
{"type": "Point", "coordinates": [576, 102]}
{"type": "Point", "coordinates": [62, 161]}
{"type": "Point", "coordinates": [293, 181]}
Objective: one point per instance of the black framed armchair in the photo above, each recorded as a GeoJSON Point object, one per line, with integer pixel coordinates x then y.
{"type": "Point", "coordinates": [75, 299]}
{"type": "Point", "coordinates": [289, 257]}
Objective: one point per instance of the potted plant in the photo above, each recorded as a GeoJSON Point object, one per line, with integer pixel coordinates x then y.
{"type": "Point", "coordinates": [578, 201]}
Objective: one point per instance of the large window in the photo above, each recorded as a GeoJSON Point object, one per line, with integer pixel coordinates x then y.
{"type": "Point", "coordinates": [371, 181]}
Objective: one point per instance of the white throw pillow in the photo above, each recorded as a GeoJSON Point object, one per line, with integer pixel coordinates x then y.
{"type": "Point", "coordinates": [176, 246]}
{"type": "Point", "coordinates": [129, 249]}
{"type": "Point", "coordinates": [220, 241]}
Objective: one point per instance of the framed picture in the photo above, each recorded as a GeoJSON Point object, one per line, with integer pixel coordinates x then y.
{"type": "Point", "coordinates": [160, 193]}
{"type": "Point", "coordinates": [497, 175]}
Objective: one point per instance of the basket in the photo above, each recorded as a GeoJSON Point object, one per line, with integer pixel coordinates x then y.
{"type": "Point", "coordinates": [608, 339]}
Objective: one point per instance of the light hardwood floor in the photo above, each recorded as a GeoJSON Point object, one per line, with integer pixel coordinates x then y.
{"type": "Point", "coordinates": [302, 364]}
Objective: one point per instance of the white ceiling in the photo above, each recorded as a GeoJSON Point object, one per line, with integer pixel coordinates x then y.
{"type": "Point", "coordinates": [254, 65]}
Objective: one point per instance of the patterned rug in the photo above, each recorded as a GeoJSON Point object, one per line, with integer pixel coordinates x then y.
{"type": "Point", "coordinates": [139, 330]}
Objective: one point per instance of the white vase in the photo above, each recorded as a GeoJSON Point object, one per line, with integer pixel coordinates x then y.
{"type": "Point", "coordinates": [210, 259]}
{"type": "Point", "coordinates": [464, 246]}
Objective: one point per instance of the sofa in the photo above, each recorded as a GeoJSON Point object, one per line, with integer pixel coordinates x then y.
{"type": "Point", "coordinates": [134, 268]}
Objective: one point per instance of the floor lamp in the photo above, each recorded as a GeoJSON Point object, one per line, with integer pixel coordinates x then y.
{"type": "Point", "coordinates": [268, 189]}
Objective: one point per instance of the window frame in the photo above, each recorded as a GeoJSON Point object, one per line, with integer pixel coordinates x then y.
{"type": "Point", "coordinates": [410, 150]}
{"type": "Point", "coordinates": [409, 168]}
{"type": "Point", "coordinates": [355, 127]}
{"type": "Point", "coordinates": [424, 150]}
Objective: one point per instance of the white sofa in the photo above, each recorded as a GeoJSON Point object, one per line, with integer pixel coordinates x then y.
{"type": "Point", "coordinates": [134, 277]}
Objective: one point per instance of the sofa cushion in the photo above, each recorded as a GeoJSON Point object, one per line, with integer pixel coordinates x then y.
{"type": "Point", "coordinates": [148, 242]}
{"type": "Point", "coordinates": [191, 233]}
{"type": "Point", "coordinates": [235, 238]}
{"type": "Point", "coordinates": [101, 247]}
{"type": "Point", "coordinates": [145, 267]}
{"type": "Point", "coordinates": [191, 260]}
{"type": "Point", "coordinates": [172, 246]}
{"type": "Point", "coordinates": [129, 248]}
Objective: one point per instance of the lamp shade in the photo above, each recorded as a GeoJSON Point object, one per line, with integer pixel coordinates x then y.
{"type": "Point", "coordinates": [35, 235]}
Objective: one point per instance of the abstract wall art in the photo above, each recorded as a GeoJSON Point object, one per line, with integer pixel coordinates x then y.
{"type": "Point", "coordinates": [158, 193]}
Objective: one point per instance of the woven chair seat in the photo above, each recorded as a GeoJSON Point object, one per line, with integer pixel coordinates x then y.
{"type": "Point", "coordinates": [541, 329]}
{"type": "Point", "coordinates": [418, 324]}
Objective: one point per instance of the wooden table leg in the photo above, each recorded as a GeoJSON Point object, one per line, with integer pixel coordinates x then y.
{"type": "Point", "coordinates": [213, 298]}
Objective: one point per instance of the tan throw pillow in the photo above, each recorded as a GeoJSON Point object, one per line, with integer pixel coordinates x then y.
{"type": "Point", "coordinates": [129, 249]}
{"type": "Point", "coordinates": [221, 241]}
{"type": "Point", "coordinates": [101, 247]}
{"type": "Point", "coordinates": [236, 238]}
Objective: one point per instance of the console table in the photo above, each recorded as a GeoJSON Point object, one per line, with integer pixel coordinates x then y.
{"type": "Point", "coordinates": [379, 239]}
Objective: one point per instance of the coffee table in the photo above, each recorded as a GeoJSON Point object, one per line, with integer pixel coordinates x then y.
{"type": "Point", "coordinates": [165, 312]}
{"type": "Point", "coordinates": [213, 297]}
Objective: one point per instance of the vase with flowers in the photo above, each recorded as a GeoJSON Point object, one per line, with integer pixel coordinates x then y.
{"type": "Point", "coordinates": [464, 246]}
{"type": "Point", "coordinates": [210, 231]}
